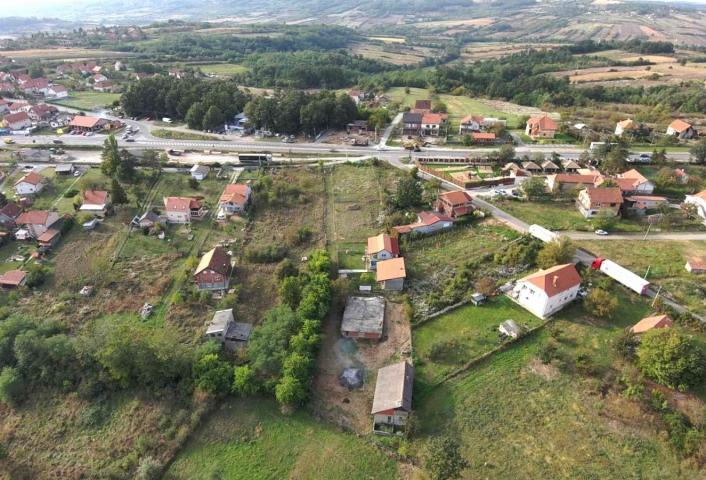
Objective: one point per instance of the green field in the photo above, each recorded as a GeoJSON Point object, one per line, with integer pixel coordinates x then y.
{"type": "Point", "coordinates": [88, 100]}
{"type": "Point", "coordinates": [466, 333]}
{"type": "Point", "coordinates": [514, 414]}
{"type": "Point", "coordinates": [179, 135]}
{"type": "Point", "coordinates": [665, 260]}
{"type": "Point", "coordinates": [251, 440]}
{"type": "Point", "coordinates": [559, 216]}
{"type": "Point", "coordinates": [223, 69]}
{"type": "Point", "coordinates": [458, 106]}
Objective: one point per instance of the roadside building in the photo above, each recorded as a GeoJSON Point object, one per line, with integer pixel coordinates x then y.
{"type": "Point", "coordinates": [183, 209]}
{"type": "Point", "coordinates": [17, 121]}
{"type": "Point", "coordinates": [30, 184]}
{"type": "Point", "coordinates": [84, 123]}
{"type": "Point", "coordinates": [545, 292]}
{"type": "Point", "coordinates": [213, 271]}
{"type": "Point", "coordinates": [34, 223]}
{"type": "Point", "coordinates": [96, 202]}
{"type": "Point", "coordinates": [381, 247]}
{"type": "Point", "coordinates": [541, 127]}
{"type": "Point", "coordinates": [649, 323]}
{"type": "Point", "coordinates": [390, 274]}
{"type": "Point", "coordinates": [681, 129]}
{"type": "Point", "coordinates": [427, 222]}
{"type": "Point", "coordinates": [698, 200]}
{"type": "Point", "coordinates": [591, 201]}
{"type": "Point", "coordinates": [392, 402]}
{"type": "Point", "coordinates": [455, 204]}
{"type": "Point", "coordinates": [628, 126]}
{"type": "Point", "coordinates": [363, 318]}
{"type": "Point", "coordinates": [411, 123]}
{"type": "Point", "coordinates": [234, 199]}
{"type": "Point", "coordinates": [199, 172]}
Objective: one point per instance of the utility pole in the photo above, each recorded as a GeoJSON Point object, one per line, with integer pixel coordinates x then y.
{"type": "Point", "coordinates": [656, 295]}
{"type": "Point", "coordinates": [648, 271]}
{"type": "Point", "coordinates": [648, 231]}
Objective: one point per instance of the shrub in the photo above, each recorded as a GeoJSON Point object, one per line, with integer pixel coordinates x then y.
{"type": "Point", "coordinates": [442, 459]}
{"type": "Point", "coordinates": [244, 381]}
{"type": "Point", "coordinates": [268, 254]}
{"type": "Point", "coordinates": [212, 374]}
{"type": "Point", "coordinates": [600, 303]}
{"type": "Point", "coordinates": [12, 386]}
{"type": "Point", "coordinates": [671, 358]}
{"type": "Point", "coordinates": [70, 193]}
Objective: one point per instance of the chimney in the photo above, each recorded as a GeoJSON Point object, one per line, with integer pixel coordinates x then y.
{"type": "Point", "coordinates": [555, 280]}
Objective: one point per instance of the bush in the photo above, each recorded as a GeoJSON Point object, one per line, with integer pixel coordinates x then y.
{"type": "Point", "coordinates": [600, 303]}
{"type": "Point", "coordinates": [149, 469]}
{"type": "Point", "coordinates": [626, 345]}
{"type": "Point", "coordinates": [70, 193]}
{"type": "Point", "coordinates": [268, 254]}
{"type": "Point", "coordinates": [442, 459]}
{"type": "Point", "coordinates": [212, 374]}
{"type": "Point", "coordinates": [244, 381]}
{"type": "Point", "coordinates": [12, 386]}
{"type": "Point", "coordinates": [671, 358]}
{"type": "Point", "coordinates": [548, 352]}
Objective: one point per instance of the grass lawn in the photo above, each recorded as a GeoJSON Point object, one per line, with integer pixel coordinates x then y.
{"type": "Point", "coordinates": [179, 135]}
{"type": "Point", "coordinates": [559, 216]}
{"type": "Point", "coordinates": [466, 333]}
{"type": "Point", "coordinates": [88, 100]}
{"type": "Point", "coordinates": [223, 69]}
{"type": "Point", "coordinates": [666, 262]}
{"type": "Point", "coordinates": [548, 421]}
{"type": "Point", "coordinates": [458, 106]}
{"type": "Point", "coordinates": [251, 440]}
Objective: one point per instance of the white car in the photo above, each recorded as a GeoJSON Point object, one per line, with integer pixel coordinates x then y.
{"type": "Point", "coordinates": [600, 232]}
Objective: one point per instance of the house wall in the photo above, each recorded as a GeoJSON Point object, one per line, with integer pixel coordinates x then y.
{"type": "Point", "coordinates": [699, 203]}
{"type": "Point", "coordinates": [397, 418]}
{"type": "Point", "coordinates": [537, 301]}
{"type": "Point", "coordinates": [25, 188]}
{"type": "Point", "coordinates": [394, 285]}
{"type": "Point", "coordinates": [378, 257]}
{"type": "Point", "coordinates": [368, 335]}
{"type": "Point", "coordinates": [178, 217]}
{"type": "Point", "coordinates": [210, 280]}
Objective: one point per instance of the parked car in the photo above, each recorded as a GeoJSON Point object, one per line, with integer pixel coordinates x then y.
{"type": "Point", "coordinates": [57, 142]}
{"type": "Point", "coordinates": [600, 232]}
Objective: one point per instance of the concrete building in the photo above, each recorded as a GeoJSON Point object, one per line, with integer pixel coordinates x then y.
{"type": "Point", "coordinates": [363, 317]}
{"type": "Point", "coordinates": [547, 291]}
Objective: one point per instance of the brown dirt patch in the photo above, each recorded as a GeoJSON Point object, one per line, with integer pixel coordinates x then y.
{"type": "Point", "coordinates": [351, 409]}
{"type": "Point", "coordinates": [546, 371]}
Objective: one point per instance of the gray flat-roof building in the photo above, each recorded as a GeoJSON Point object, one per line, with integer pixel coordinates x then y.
{"type": "Point", "coordinates": [363, 317]}
{"type": "Point", "coordinates": [224, 329]}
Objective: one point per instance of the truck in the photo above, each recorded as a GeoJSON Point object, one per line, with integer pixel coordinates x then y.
{"type": "Point", "coordinates": [622, 275]}
{"type": "Point", "coordinates": [537, 231]}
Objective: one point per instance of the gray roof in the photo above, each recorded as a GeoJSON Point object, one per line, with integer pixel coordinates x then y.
{"type": "Point", "coordinates": [200, 169]}
{"type": "Point", "coordinates": [411, 117]}
{"type": "Point", "coordinates": [220, 321]}
{"type": "Point", "coordinates": [238, 332]}
{"type": "Point", "coordinates": [393, 389]}
{"type": "Point", "coordinates": [364, 314]}
{"type": "Point", "coordinates": [64, 167]}
{"type": "Point", "coordinates": [511, 327]}
{"type": "Point", "coordinates": [549, 164]}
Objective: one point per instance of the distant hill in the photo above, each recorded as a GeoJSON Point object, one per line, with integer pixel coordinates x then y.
{"type": "Point", "coordinates": [555, 20]}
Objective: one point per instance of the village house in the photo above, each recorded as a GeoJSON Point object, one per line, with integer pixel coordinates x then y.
{"type": "Point", "coordinates": [380, 247]}
{"type": "Point", "coordinates": [64, 169]}
{"type": "Point", "coordinates": [532, 167]}
{"type": "Point", "coordinates": [681, 129]}
{"type": "Point", "coordinates": [8, 214]}
{"type": "Point", "coordinates": [30, 184]}
{"type": "Point", "coordinates": [51, 237]}
{"type": "Point", "coordinates": [649, 323]}
{"type": "Point", "coordinates": [411, 123]}
{"type": "Point", "coordinates": [433, 124]}
{"type": "Point", "coordinates": [545, 292]}
{"type": "Point", "coordinates": [199, 172]}
{"type": "Point", "coordinates": [42, 112]}
{"type": "Point", "coordinates": [541, 127]}
{"type": "Point", "coordinates": [550, 167]}
{"type": "Point", "coordinates": [234, 199]}
{"type": "Point", "coordinates": [357, 96]}
{"type": "Point", "coordinates": [34, 223]}
{"type": "Point", "coordinates": [363, 318]}
{"type": "Point", "coordinates": [392, 402]}
{"type": "Point", "coordinates": [357, 127]}
{"type": "Point", "coordinates": [213, 271]}
{"type": "Point", "coordinates": [570, 166]}
{"type": "Point", "coordinates": [628, 126]}
{"type": "Point", "coordinates": [17, 121]}
{"type": "Point", "coordinates": [104, 86]}
{"type": "Point", "coordinates": [96, 202]}
{"type": "Point", "coordinates": [699, 201]}
{"type": "Point", "coordinates": [390, 274]}
{"type": "Point", "coordinates": [225, 330]}
{"type": "Point", "coordinates": [470, 124]}
{"type": "Point", "coordinates": [84, 123]}
{"type": "Point", "coordinates": [484, 138]}
{"type": "Point", "coordinates": [57, 92]}
{"type": "Point", "coordinates": [183, 209]}
{"type": "Point", "coordinates": [36, 86]}
{"type": "Point", "coordinates": [13, 279]}
{"type": "Point", "coordinates": [150, 219]}
{"type": "Point", "coordinates": [630, 182]}
{"type": "Point", "coordinates": [593, 200]}
{"type": "Point", "coordinates": [695, 265]}
{"type": "Point", "coordinates": [454, 204]}
{"type": "Point", "coordinates": [99, 77]}
{"type": "Point", "coordinates": [645, 202]}
{"type": "Point", "coordinates": [427, 222]}
{"type": "Point", "coordinates": [17, 107]}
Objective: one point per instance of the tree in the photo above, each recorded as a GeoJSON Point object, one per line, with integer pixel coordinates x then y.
{"type": "Point", "coordinates": [442, 459]}
{"type": "Point", "coordinates": [126, 168]}
{"type": "Point", "coordinates": [268, 343]}
{"type": "Point", "coordinates": [244, 381]}
{"type": "Point", "coordinates": [605, 219]}
{"type": "Point", "coordinates": [290, 291]}
{"type": "Point", "coordinates": [486, 285]}
{"type": "Point", "coordinates": [117, 193]}
{"type": "Point", "coordinates": [319, 262]}
{"type": "Point", "coordinates": [671, 358]}
{"type": "Point", "coordinates": [506, 153]}
{"type": "Point", "coordinates": [290, 391]}
{"type": "Point", "coordinates": [110, 156]}
{"type": "Point", "coordinates": [194, 116]}
{"type": "Point", "coordinates": [409, 192]}
{"type": "Point", "coordinates": [558, 252]}
{"type": "Point", "coordinates": [11, 386]}
{"type": "Point", "coordinates": [601, 303]}
{"type": "Point", "coordinates": [698, 152]}
{"type": "Point", "coordinates": [659, 157]}
{"type": "Point", "coordinates": [213, 119]}
{"type": "Point", "coordinates": [439, 107]}
{"type": "Point", "coordinates": [533, 188]}
{"type": "Point", "coordinates": [665, 178]}
{"type": "Point", "coordinates": [213, 375]}
{"type": "Point", "coordinates": [35, 70]}
{"type": "Point", "coordinates": [615, 160]}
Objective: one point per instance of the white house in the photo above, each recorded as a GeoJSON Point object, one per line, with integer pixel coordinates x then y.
{"type": "Point", "coordinates": [234, 199]}
{"type": "Point", "coordinates": [427, 222]}
{"type": "Point", "coordinates": [699, 201]}
{"type": "Point", "coordinates": [381, 247]}
{"type": "Point", "coordinates": [183, 209]}
{"type": "Point", "coordinates": [17, 121]}
{"type": "Point", "coordinates": [30, 184]}
{"type": "Point", "coordinates": [626, 126]}
{"type": "Point", "coordinates": [199, 172]}
{"type": "Point", "coordinates": [547, 291]}
{"type": "Point", "coordinates": [96, 202]}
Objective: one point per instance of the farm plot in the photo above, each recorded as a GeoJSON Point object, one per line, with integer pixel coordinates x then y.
{"type": "Point", "coordinates": [61, 53]}
{"type": "Point", "coordinates": [490, 50]}
{"type": "Point", "coordinates": [548, 419]}
{"type": "Point", "coordinates": [392, 52]}
{"type": "Point", "coordinates": [223, 69]}
{"type": "Point", "coordinates": [356, 202]}
{"type": "Point", "coordinates": [88, 100]}
{"type": "Point", "coordinates": [250, 439]}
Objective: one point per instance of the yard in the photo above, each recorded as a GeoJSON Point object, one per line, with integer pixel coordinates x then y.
{"type": "Point", "coordinates": [559, 216]}
{"type": "Point", "coordinates": [251, 440]}
{"type": "Point", "coordinates": [88, 100]}
{"type": "Point", "coordinates": [665, 261]}
{"type": "Point", "coordinates": [222, 69]}
{"type": "Point", "coordinates": [514, 413]}
{"type": "Point", "coordinates": [445, 343]}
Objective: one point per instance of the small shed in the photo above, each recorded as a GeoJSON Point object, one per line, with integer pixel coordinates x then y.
{"type": "Point", "coordinates": [510, 329]}
{"type": "Point", "coordinates": [199, 172]}
{"type": "Point", "coordinates": [64, 169]}
{"type": "Point", "coordinates": [363, 317]}
{"type": "Point", "coordinates": [478, 299]}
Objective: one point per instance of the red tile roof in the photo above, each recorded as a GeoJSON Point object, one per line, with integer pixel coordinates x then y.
{"type": "Point", "coordinates": [390, 269]}
{"type": "Point", "coordinates": [16, 117]}
{"type": "Point", "coordinates": [33, 217]}
{"type": "Point", "coordinates": [181, 204]}
{"type": "Point", "coordinates": [13, 278]}
{"type": "Point", "coordinates": [555, 280]}
{"type": "Point", "coordinates": [84, 121]}
{"type": "Point", "coordinates": [600, 196]}
{"type": "Point", "coordinates": [422, 105]}
{"type": "Point", "coordinates": [482, 136]}
{"type": "Point", "coordinates": [648, 323]}
{"type": "Point", "coordinates": [543, 123]}
{"type": "Point", "coordinates": [383, 242]}
{"type": "Point", "coordinates": [95, 197]}
{"type": "Point", "coordinates": [433, 118]}
{"type": "Point", "coordinates": [430, 218]}
{"type": "Point", "coordinates": [456, 197]}
{"type": "Point", "coordinates": [32, 178]}
{"type": "Point", "coordinates": [236, 193]}
{"type": "Point", "coordinates": [679, 126]}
